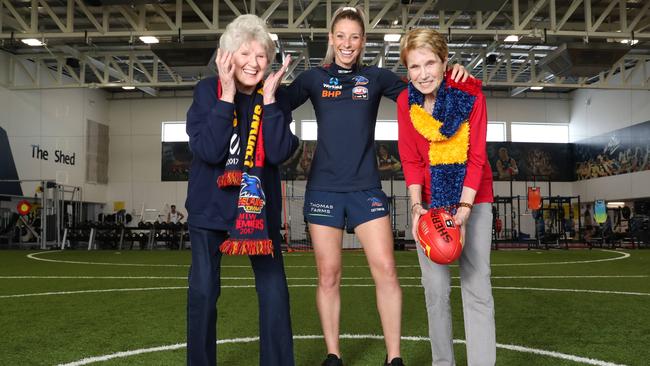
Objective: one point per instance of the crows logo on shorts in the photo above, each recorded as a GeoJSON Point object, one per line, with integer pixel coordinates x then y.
{"type": "Point", "coordinates": [376, 205]}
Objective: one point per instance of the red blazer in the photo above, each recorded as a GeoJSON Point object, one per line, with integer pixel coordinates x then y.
{"type": "Point", "coordinates": [414, 152]}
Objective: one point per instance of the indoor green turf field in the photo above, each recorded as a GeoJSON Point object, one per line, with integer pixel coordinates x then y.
{"type": "Point", "coordinates": [577, 307]}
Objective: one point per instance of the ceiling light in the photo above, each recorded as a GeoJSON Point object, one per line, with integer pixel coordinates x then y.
{"type": "Point", "coordinates": [32, 42]}
{"type": "Point", "coordinates": [631, 42]}
{"type": "Point", "coordinates": [396, 22]}
{"type": "Point", "coordinates": [390, 37]}
{"type": "Point", "coordinates": [149, 39]}
{"type": "Point", "coordinates": [511, 38]}
{"type": "Point", "coordinates": [615, 204]}
{"type": "Point", "coordinates": [128, 87]}
{"type": "Point", "coordinates": [274, 37]}
{"type": "Point", "coordinates": [536, 87]}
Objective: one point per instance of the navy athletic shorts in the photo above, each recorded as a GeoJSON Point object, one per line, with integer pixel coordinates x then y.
{"type": "Point", "coordinates": [345, 209]}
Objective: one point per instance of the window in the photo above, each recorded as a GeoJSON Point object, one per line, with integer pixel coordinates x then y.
{"type": "Point", "coordinates": [496, 131]}
{"type": "Point", "coordinates": [386, 130]}
{"type": "Point", "coordinates": [174, 132]}
{"type": "Point", "coordinates": [539, 132]}
{"type": "Point", "coordinates": [308, 130]}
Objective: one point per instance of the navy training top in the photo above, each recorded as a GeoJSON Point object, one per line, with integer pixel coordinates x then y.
{"type": "Point", "coordinates": [346, 102]}
{"type": "Point", "coordinates": [209, 126]}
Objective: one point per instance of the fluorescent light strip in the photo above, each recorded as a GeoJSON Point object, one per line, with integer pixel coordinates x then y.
{"type": "Point", "coordinates": [390, 37]}
{"type": "Point", "coordinates": [149, 39]}
{"type": "Point", "coordinates": [32, 42]}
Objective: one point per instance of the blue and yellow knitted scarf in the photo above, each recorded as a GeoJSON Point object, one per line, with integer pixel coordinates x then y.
{"type": "Point", "coordinates": [447, 130]}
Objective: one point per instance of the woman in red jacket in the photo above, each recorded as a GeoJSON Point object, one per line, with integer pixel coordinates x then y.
{"type": "Point", "coordinates": [442, 138]}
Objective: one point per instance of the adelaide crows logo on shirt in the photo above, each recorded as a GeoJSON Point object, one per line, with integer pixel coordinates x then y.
{"type": "Point", "coordinates": [360, 80]}
{"type": "Point", "coordinates": [332, 89]}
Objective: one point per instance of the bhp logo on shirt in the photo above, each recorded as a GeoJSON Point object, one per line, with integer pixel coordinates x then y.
{"type": "Point", "coordinates": [331, 93]}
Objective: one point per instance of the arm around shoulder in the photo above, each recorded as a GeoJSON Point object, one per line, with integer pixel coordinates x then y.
{"type": "Point", "coordinates": [477, 153]}
{"type": "Point", "coordinates": [279, 142]}
{"type": "Point", "coordinates": [413, 163]}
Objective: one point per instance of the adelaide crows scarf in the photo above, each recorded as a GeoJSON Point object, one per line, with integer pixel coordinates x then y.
{"type": "Point", "coordinates": [249, 235]}
{"type": "Point", "coordinates": [447, 130]}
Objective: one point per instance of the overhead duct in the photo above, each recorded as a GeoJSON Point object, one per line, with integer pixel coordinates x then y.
{"type": "Point", "coordinates": [469, 5]}
{"type": "Point", "coordinates": [124, 2]}
{"type": "Point", "coordinates": [187, 57]}
{"type": "Point", "coordinates": [583, 60]}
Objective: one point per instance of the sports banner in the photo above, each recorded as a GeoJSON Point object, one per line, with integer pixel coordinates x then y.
{"type": "Point", "coordinates": [622, 151]}
{"type": "Point", "coordinates": [526, 161]}
{"type": "Point", "coordinates": [626, 150]}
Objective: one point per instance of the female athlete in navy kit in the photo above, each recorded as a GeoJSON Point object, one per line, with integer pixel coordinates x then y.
{"type": "Point", "coordinates": [343, 189]}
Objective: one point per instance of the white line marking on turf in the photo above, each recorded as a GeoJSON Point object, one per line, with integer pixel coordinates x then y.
{"type": "Point", "coordinates": [298, 278]}
{"type": "Point", "coordinates": [511, 347]}
{"type": "Point", "coordinates": [109, 277]}
{"type": "Point", "coordinates": [623, 256]}
{"type": "Point", "coordinates": [33, 256]}
{"type": "Point", "coordinates": [312, 285]}
{"type": "Point", "coordinates": [573, 290]}
{"type": "Point", "coordinates": [94, 291]}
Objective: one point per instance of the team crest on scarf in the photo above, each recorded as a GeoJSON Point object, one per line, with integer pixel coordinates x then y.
{"type": "Point", "coordinates": [251, 195]}
{"type": "Point", "coordinates": [447, 130]}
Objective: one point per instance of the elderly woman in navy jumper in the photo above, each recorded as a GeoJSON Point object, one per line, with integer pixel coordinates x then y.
{"type": "Point", "coordinates": [238, 126]}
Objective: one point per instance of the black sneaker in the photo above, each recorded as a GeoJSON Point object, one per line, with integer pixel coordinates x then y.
{"type": "Point", "coordinates": [397, 361]}
{"type": "Point", "coordinates": [332, 360]}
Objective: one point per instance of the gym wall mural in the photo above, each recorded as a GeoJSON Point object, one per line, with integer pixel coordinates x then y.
{"type": "Point", "coordinates": [388, 161]}
{"type": "Point", "coordinates": [8, 168]}
{"type": "Point", "coordinates": [525, 161]}
{"type": "Point", "coordinates": [618, 152]}
{"type": "Point", "coordinates": [176, 159]}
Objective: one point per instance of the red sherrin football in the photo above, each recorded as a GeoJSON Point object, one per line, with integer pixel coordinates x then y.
{"type": "Point", "coordinates": [439, 236]}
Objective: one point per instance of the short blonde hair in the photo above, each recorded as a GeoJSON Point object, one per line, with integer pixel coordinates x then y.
{"type": "Point", "coordinates": [246, 28]}
{"type": "Point", "coordinates": [423, 38]}
{"type": "Point", "coordinates": [347, 12]}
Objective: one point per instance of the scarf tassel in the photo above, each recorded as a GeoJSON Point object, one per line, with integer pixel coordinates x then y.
{"type": "Point", "coordinates": [230, 178]}
{"type": "Point", "coordinates": [247, 247]}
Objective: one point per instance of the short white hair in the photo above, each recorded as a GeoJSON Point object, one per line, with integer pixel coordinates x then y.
{"type": "Point", "coordinates": [246, 28]}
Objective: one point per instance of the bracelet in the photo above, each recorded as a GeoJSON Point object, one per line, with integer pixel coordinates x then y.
{"type": "Point", "coordinates": [465, 204]}
{"type": "Point", "coordinates": [416, 204]}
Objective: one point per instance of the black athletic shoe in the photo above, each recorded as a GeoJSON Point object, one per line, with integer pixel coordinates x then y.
{"type": "Point", "coordinates": [332, 360]}
{"type": "Point", "coordinates": [397, 361]}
